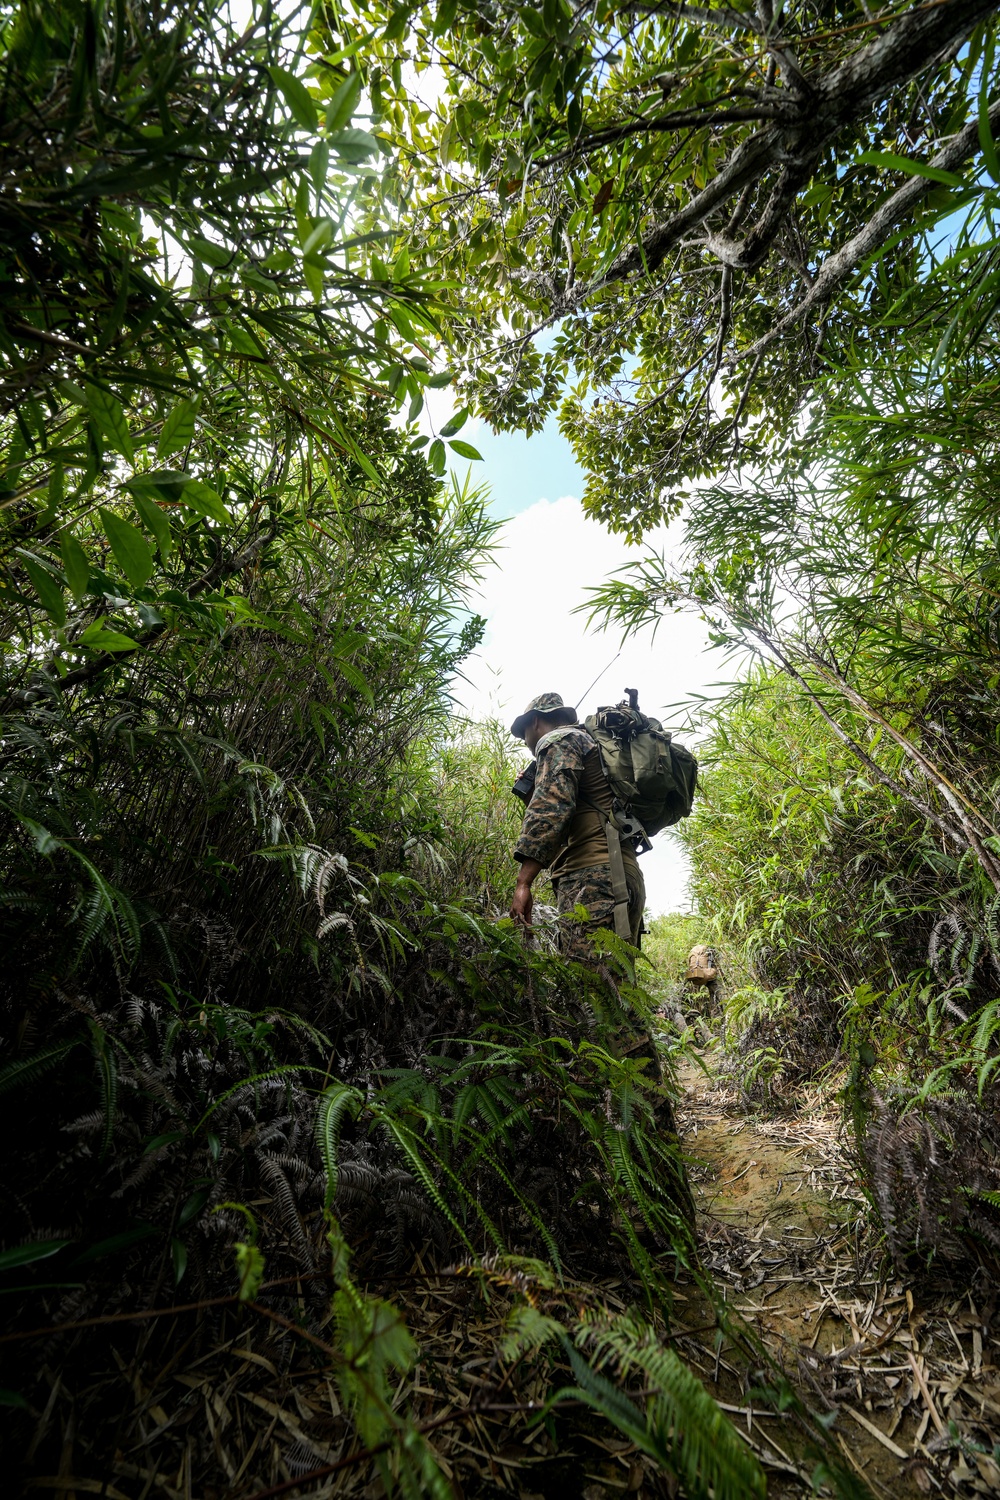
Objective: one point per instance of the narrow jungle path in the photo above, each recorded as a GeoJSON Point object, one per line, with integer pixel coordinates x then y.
{"type": "Point", "coordinates": [911, 1375]}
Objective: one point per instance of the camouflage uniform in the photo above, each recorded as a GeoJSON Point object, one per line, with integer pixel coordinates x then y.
{"type": "Point", "coordinates": [592, 887]}
{"type": "Point", "coordinates": [561, 834]}
{"type": "Point", "coordinates": [556, 835]}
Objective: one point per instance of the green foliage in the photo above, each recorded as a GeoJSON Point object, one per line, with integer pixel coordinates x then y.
{"type": "Point", "coordinates": [612, 194]}
{"type": "Point", "coordinates": [249, 886]}
{"type": "Point", "coordinates": [682, 1426]}
{"type": "Point", "coordinates": [212, 312]}
{"type": "Point", "coordinates": [666, 943]}
{"type": "Point", "coordinates": [464, 778]}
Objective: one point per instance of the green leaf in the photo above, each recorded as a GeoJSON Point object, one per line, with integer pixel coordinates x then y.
{"type": "Point", "coordinates": [26, 1069]}
{"type": "Point", "coordinates": [71, 392]}
{"type": "Point", "coordinates": [449, 136]}
{"type": "Point", "coordinates": [353, 145]}
{"type": "Point", "coordinates": [168, 1138]}
{"type": "Point", "coordinates": [177, 430]}
{"type": "Point", "coordinates": [456, 423]}
{"type": "Point", "coordinates": [313, 274]}
{"type": "Point", "coordinates": [303, 218]}
{"type": "Point", "coordinates": [436, 456]}
{"type": "Point", "coordinates": [395, 28]}
{"type": "Point", "coordinates": [319, 165]}
{"type": "Point", "coordinates": [114, 1243]}
{"type": "Point", "coordinates": [301, 104]}
{"type": "Point", "coordinates": [13, 1398]}
{"type": "Point", "coordinates": [338, 1100]}
{"type": "Point", "coordinates": [249, 1269]}
{"type": "Point", "coordinates": [155, 522]}
{"type": "Point", "coordinates": [167, 483]}
{"type": "Point", "coordinates": [76, 564]}
{"type": "Point", "coordinates": [48, 590]}
{"type": "Point", "coordinates": [344, 102]}
{"type": "Point", "coordinates": [194, 1205]}
{"type": "Point", "coordinates": [98, 637]}
{"type": "Point", "coordinates": [910, 167]}
{"type": "Point", "coordinates": [464, 450]}
{"type": "Point", "coordinates": [179, 1256]}
{"type": "Point", "coordinates": [319, 237]}
{"type": "Point", "coordinates": [25, 1255]}
{"type": "Point", "coordinates": [439, 381]}
{"type": "Point", "coordinates": [199, 496]}
{"type": "Point", "coordinates": [130, 548]}
{"type": "Point", "coordinates": [208, 251]}
{"type": "Point", "coordinates": [108, 415]}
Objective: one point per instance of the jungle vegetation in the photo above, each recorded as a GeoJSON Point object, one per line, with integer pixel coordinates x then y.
{"type": "Point", "coordinates": [266, 1036]}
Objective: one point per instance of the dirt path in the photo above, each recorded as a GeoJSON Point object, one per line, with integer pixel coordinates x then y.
{"type": "Point", "coordinates": [913, 1378]}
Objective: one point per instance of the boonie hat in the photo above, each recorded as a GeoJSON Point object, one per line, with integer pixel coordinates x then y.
{"type": "Point", "coordinates": [545, 703]}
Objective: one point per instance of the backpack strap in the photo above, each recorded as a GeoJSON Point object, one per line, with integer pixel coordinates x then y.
{"type": "Point", "coordinates": [619, 884]}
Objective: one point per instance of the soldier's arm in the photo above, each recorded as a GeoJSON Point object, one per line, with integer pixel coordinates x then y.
{"type": "Point", "coordinates": [546, 819]}
{"type": "Point", "coordinates": [523, 902]}
{"type": "Point", "coordinates": [547, 816]}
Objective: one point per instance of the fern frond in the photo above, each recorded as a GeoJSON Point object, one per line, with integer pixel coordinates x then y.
{"type": "Point", "coordinates": [684, 1427]}
{"type": "Point", "coordinates": [27, 1069]}
{"type": "Point", "coordinates": [336, 1101]}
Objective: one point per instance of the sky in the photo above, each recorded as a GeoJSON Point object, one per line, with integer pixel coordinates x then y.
{"type": "Point", "coordinates": [549, 554]}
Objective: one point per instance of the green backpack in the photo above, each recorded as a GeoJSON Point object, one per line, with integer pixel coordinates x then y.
{"type": "Point", "coordinates": [651, 778]}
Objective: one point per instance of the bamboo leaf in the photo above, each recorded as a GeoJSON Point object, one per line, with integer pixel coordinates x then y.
{"type": "Point", "coordinates": [108, 415]}
{"type": "Point", "coordinates": [986, 137]}
{"type": "Point", "coordinates": [48, 590]}
{"type": "Point", "coordinates": [179, 1258]}
{"type": "Point", "coordinates": [301, 104]}
{"type": "Point", "coordinates": [129, 546]}
{"type": "Point", "coordinates": [343, 102]}
{"type": "Point", "coordinates": [911, 167]}
{"type": "Point", "coordinates": [210, 252]}
{"type": "Point", "coordinates": [26, 1255]}
{"type": "Point", "coordinates": [178, 429]}
{"type": "Point", "coordinates": [76, 564]}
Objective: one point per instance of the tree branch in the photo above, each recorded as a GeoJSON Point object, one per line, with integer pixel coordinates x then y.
{"type": "Point", "coordinates": [838, 267]}
{"type": "Point", "coordinates": [907, 47]}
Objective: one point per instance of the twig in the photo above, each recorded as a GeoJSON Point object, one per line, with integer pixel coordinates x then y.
{"type": "Point", "coordinates": [876, 1433]}
{"type": "Point", "coordinates": [922, 1383]}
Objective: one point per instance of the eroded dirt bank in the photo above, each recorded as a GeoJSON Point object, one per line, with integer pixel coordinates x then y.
{"type": "Point", "coordinates": [911, 1373]}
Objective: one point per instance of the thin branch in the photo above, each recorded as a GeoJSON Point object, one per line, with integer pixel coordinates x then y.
{"type": "Point", "coordinates": [908, 47]}
{"type": "Point", "coordinates": [840, 265]}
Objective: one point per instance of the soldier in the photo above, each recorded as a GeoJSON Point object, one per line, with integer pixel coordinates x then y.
{"type": "Point", "coordinates": [568, 829]}
{"type": "Point", "coordinates": [565, 829]}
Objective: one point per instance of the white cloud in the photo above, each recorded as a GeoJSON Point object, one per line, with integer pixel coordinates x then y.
{"type": "Point", "coordinates": [552, 553]}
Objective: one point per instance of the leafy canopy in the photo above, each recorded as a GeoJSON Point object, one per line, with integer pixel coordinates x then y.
{"type": "Point", "coordinates": [679, 208]}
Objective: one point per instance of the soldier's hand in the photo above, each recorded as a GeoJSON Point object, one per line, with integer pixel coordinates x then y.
{"type": "Point", "coordinates": [520, 907]}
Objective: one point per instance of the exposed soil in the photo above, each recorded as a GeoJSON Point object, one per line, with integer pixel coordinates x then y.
{"type": "Point", "coordinates": [909, 1374]}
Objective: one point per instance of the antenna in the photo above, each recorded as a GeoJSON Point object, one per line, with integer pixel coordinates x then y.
{"type": "Point", "coordinates": [598, 678]}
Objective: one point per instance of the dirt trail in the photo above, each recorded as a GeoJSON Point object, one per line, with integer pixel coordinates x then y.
{"type": "Point", "coordinates": [913, 1377]}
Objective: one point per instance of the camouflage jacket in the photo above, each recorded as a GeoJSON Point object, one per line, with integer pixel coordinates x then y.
{"type": "Point", "coordinates": [552, 815]}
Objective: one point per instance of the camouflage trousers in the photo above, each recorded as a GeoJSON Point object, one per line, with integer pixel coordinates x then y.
{"type": "Point", "coordinates": [592, 887]}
